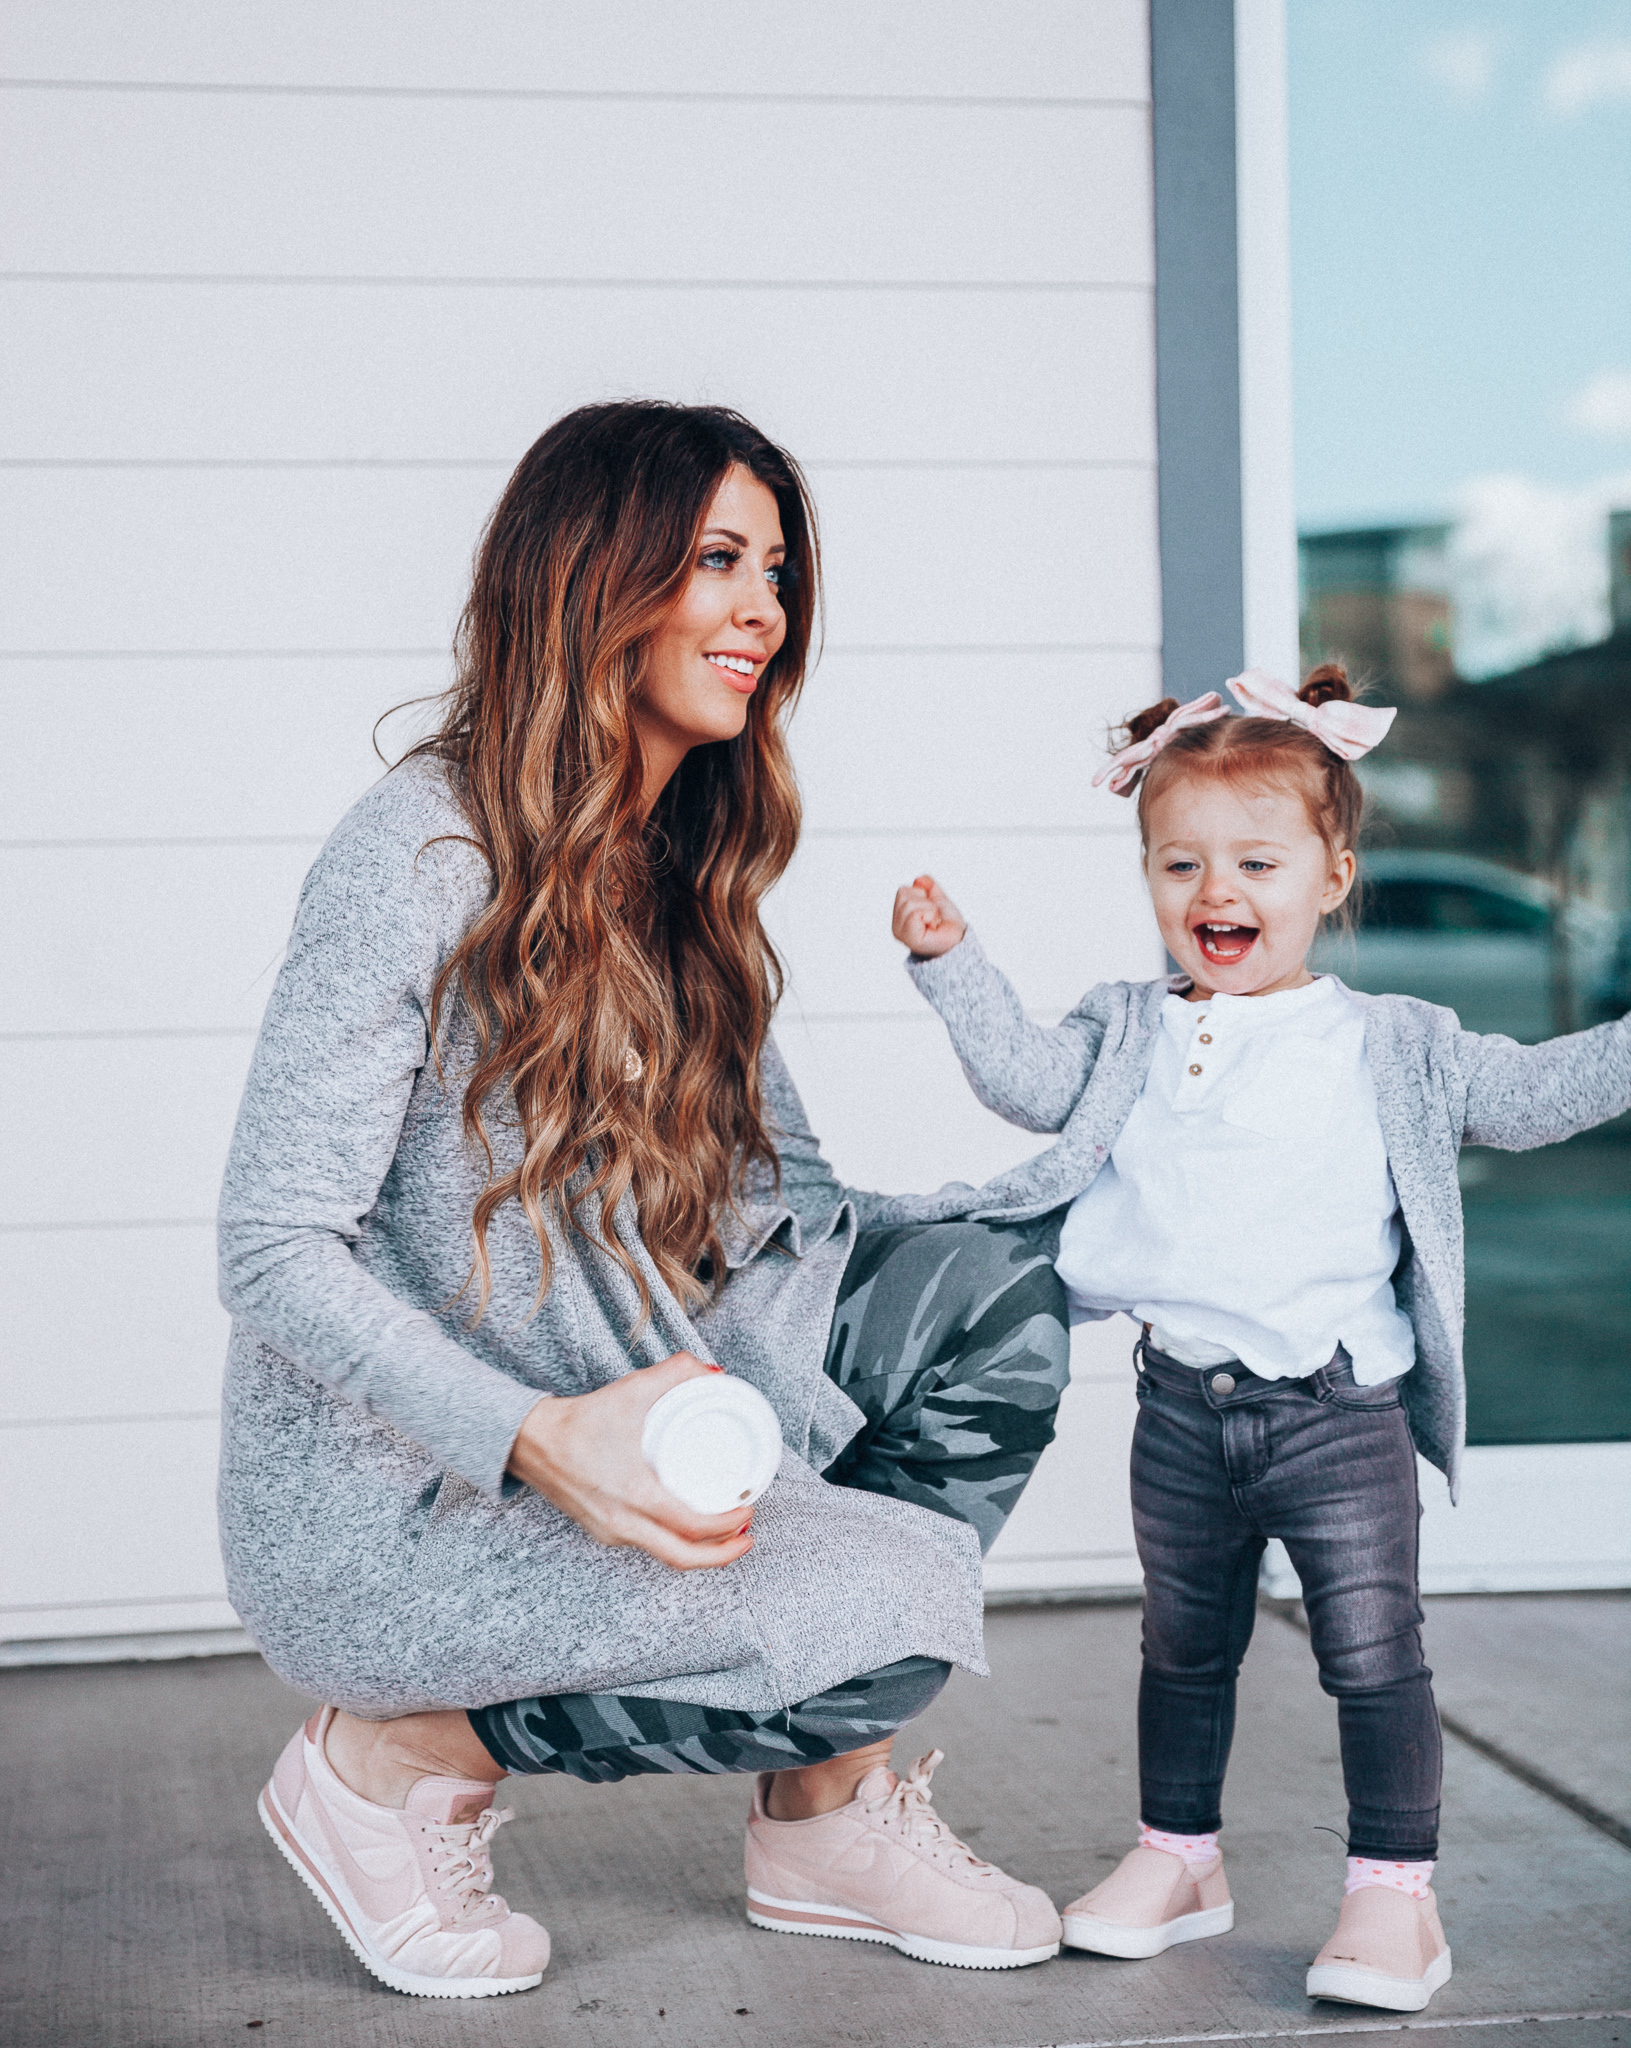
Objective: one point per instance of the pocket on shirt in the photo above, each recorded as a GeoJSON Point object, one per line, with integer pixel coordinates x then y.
{"type": "Point", "coordinates": [1289, 1091]}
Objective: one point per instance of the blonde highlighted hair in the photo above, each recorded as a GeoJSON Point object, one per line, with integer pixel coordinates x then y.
{"type": "Point", "coordinates": [619, 983]}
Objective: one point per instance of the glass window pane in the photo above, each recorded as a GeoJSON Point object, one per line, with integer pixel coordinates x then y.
{"type": "Point", "coordinates": [1464, 492]}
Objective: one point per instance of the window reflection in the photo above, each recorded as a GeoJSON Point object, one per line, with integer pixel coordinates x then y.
{"type": "Point", "coordinates": [1497, 882]}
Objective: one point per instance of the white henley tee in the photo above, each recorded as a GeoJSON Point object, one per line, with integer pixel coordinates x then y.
{"type": "Point", "coordinates": [1247, 1210]}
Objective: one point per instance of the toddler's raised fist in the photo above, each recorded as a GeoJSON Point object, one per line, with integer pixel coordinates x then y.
{"type": "Point", "coordinates": [926, 919]}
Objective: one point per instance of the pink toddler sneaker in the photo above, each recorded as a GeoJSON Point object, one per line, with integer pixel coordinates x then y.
{"type": "Point", "coordinates": [1148, 1902]}
{"type": "Point", "coordinates": [409, 1890]}
{"type": "Point", "coordinates": [1388, 1950]}
{"type": "Point", "coordinates": [887, 1868]}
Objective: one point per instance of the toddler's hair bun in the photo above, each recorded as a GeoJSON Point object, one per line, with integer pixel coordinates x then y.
{"type": "Point", "coordinates": [1143, 723]}
{"type": "Point", "coordinates": [1327, 684]}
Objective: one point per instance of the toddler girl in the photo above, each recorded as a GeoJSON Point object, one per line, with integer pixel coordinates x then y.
{"type": "Point", "coordinates": [1260, 1167]}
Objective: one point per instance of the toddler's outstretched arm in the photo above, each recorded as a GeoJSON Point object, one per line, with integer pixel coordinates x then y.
{"type": "Point", "coordinates": [1031, 1074]}
{"type": "Point", "coordinates": [1520, 1096]}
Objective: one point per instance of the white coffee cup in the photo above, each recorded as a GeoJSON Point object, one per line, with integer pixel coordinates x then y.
{"type": "Point", "coordinates": [714, 1442]}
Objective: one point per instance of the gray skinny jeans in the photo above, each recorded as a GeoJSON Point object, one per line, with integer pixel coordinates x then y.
{"type": "Point", "coordinates": [1327, 1466]}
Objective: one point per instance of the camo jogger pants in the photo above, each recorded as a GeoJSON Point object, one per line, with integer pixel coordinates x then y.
{"type": "Point", "coordinates": [952, 1340]}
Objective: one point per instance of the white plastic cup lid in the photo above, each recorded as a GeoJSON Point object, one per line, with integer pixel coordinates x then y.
{"type": "Point", "coordinates": [714, 1442]}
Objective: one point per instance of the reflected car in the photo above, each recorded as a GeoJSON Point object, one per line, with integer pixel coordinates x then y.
{"type": "Point", "coordinates": [1482, 939]}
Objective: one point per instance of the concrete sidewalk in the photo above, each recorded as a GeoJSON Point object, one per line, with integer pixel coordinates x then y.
{"type": "Point", "coordinates": [145, 1908]}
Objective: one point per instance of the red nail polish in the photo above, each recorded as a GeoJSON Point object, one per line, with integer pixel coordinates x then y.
{"type": "Point", "coordinates": [716, 1368]}
{"type": "Point", "coordinates": [746, 1526]}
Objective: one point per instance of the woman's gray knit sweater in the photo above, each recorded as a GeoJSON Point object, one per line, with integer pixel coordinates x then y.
{"type": "Point", "coordinates": [374, 1547]}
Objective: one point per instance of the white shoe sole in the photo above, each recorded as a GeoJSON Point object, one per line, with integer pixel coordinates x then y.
{"type": "Point", "coordinates": [1351, 1984]}
{"type": "Point", "coordinates": [1105, 1938]}
{"type": "Point", "coordinates": [838, 1923]}
{"type": "Point", "coordinates": [331, 1895]}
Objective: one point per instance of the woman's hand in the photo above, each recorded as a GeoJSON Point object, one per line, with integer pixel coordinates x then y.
{"type": "Point", "coordinates": [926, 919]}
{"type": "Point", "coordinates": [582, 1453]}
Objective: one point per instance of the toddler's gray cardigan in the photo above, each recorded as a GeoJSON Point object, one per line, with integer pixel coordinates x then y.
{"type": "Point", "coordinates": [1437, 1088]}
{"type": "Point", "coordinates": [373, 1546]}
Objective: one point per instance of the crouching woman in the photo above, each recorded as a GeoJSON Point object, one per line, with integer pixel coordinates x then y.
{"type": "Point", "coordinates": [517, 1155]}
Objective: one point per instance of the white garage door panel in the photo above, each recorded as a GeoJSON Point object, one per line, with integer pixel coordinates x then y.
{"type": "Point", "coordinates": [1083, 48]}
{"type": "Point", "coordinates": [1532, 1517]}
{"type": "Point", "coordinates": [176, 371]}
{"type": "Point", "coordinates": [924, 740]}
{"type": "Point", "coordinates": [280, 348]}
{"type": "Point", "coordinates": [84, 1632]}
{"type": "Point", "coordinates": [990, 557]}
{"type": "Point", "coordinates": [117, 1130]}
{"type": "Point", "coordinates": [1056, 913]}
{"type": "Point", "coordinates": [210, 559]}
{"type": "Point", "coordinates": [198, 748]}
{"type": "Point", "coordinates": [1073, 1527]}
{"type": "Point", "coordinates": [242, 185]}
{"type": "Point", "coordinates": [103, 1513]}
{"type": "Point", "coordinates": [889, 1103]}
{"type": "Point", "coordinates": [144, 938]}
{"type": "Point", "coordinates": [109, 1322]}
{"type": "Point", "coordinates": [368, 559]}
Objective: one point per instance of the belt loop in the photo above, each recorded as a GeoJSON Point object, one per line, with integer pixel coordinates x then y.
{"type": "Point", "coordinates": [1325, 1379]}
{"type": "Point", "coordinates": [1139, 1349]}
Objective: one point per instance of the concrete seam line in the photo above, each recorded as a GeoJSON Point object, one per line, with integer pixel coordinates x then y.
{"type": "Point", "coordinates": [1515, 1767]}
{"type": "Point", "coordinates": [1493, 2019]}
{"type": "Point", "coordinates": [1540, 1781]}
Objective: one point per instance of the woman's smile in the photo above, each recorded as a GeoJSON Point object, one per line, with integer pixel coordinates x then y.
{"type": "Point", "coordinates": [741, 671]}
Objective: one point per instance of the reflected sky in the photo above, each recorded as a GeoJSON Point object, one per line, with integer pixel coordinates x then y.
{"type": "Point", "coordinates": [1461, 221]}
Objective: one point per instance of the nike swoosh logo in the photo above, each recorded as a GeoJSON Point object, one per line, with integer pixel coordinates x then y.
{"type": "Point", "coordinates": [379, 1898]}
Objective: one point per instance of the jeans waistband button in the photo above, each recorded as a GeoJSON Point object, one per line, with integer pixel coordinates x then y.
{"type": "Point", "coordinates": [1223, 1383]}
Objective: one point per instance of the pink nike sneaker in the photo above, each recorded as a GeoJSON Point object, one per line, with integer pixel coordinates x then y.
{"type": "Point", "coordinates": [1388, 1950]}
{"type": "Point", "coordinates": [409, 1890]}
{"type": "Point", "coordinates": [1148, 1902]}
{"type": "Point", "coordinates": [887, 1868]}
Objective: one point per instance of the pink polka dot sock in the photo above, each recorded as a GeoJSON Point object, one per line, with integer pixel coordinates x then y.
{"type": "Point", "coordinates": [1410, 1878]}
{"type": "Point", "coordinates": [1194, 1849]}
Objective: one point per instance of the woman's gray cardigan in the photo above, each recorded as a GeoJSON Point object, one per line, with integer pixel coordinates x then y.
{"type": "Point", "coordinates": [1437, 1088]}
{"type": "Point", "coordinates": [374, 1548]}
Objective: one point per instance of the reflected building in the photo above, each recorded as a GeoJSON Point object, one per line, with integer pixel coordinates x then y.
{"type": "Point", "coordinates": [1529, 771]}
{"type": "Point", "coordinates": [1381, 595]}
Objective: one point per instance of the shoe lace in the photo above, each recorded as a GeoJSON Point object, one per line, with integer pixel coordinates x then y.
{"type": "Point", "coordinates": [461, 1856]}
{"type": "Point", "coordinates": [908, 1808]}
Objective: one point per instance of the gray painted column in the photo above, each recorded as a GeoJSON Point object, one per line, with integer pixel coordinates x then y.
{"type": "Point", "coordinates": [1197, 343]}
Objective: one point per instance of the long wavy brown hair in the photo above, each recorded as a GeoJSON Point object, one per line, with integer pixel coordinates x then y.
{"type": "Point", "coordinates": [619, 982]}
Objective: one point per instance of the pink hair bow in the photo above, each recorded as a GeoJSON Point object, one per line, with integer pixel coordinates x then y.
{"type": "Point", "coordinates": [1349, 730]}
{"type": "Point", "coordinates": [1121, 768]}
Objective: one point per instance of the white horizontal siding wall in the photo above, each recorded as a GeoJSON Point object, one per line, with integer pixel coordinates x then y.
{"type": "Point", "coordinates": [284, 293]}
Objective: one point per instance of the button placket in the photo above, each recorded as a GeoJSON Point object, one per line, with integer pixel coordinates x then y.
{"type": "Point", "coordinates": [1193, 1070]}
{"type": "Point", "coordinates": [1201, 1037]}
